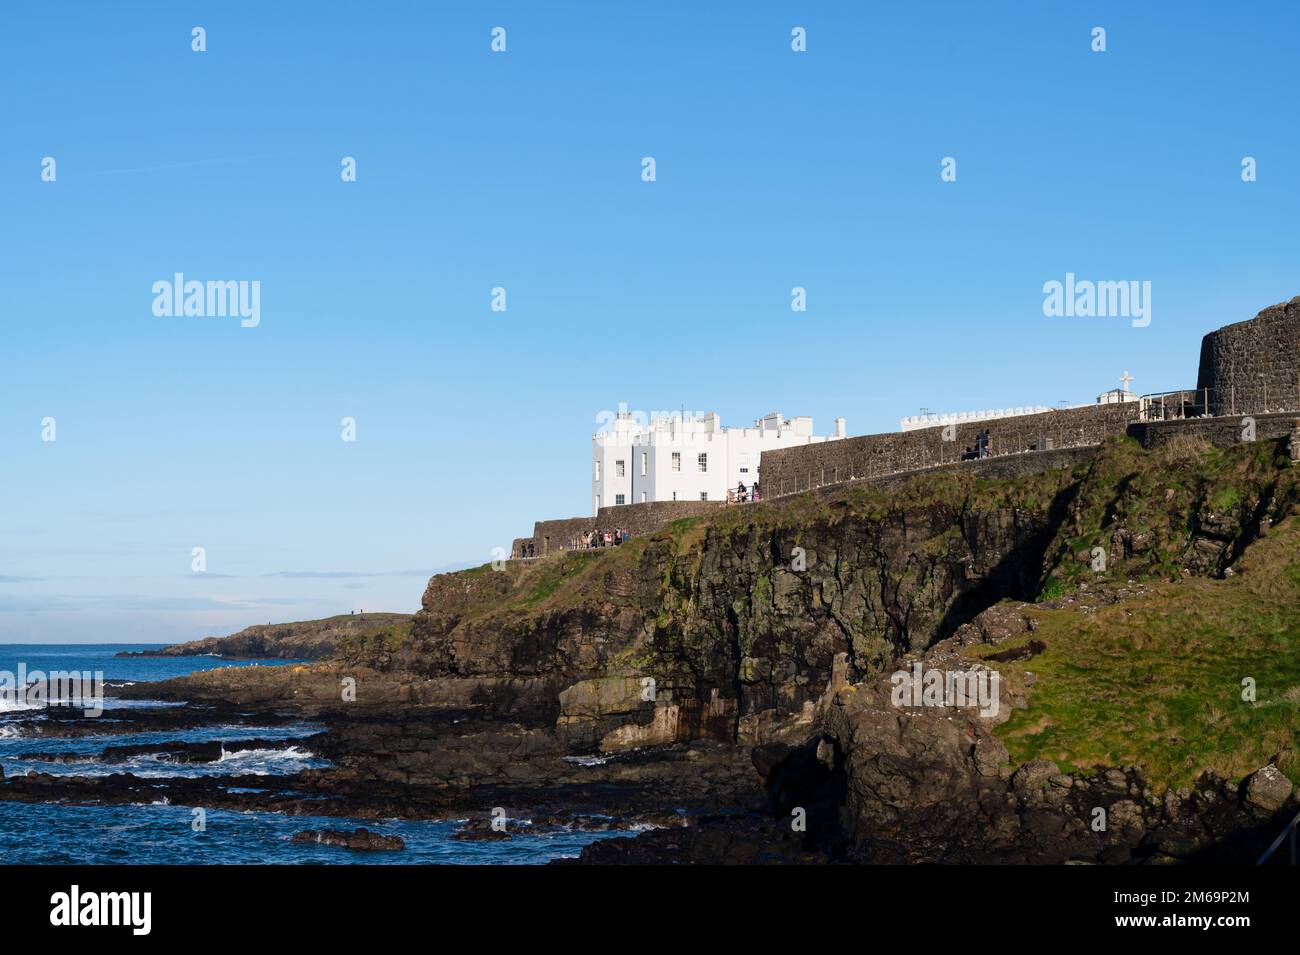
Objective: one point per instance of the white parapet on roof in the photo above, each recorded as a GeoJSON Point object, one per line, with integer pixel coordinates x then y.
{"type": "Point", "coordinates": [961, 417]}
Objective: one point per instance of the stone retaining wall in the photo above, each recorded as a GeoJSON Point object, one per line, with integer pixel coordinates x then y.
{"type": "Point", "coordinates": [637, 519]}
{"type": "Point", "coordinates": [1221, 432]}
{"type": "Point", "coordinates": [793, 470]}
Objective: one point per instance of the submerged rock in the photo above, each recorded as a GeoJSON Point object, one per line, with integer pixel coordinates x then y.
{"type": "Point", "coordinates": [360, 839]}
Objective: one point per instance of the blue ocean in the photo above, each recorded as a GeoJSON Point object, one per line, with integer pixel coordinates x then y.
{"type": "Point", "coordinates": [162, 833]}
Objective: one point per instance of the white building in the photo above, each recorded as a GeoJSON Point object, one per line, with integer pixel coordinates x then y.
{"type": "Point", "coordinates": [1118, 395]}
{"type": "Point", "coordinates": [691, 458]}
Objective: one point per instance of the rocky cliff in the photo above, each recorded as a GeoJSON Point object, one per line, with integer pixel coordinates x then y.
{"type": "Point", "coordinates": [737, 619]}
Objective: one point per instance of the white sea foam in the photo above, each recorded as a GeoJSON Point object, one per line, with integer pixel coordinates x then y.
{"type": "Point", "coordinates": [263, 762]}
{"type": "Point", "coordinates": [588, 760]}
{"type": "Point", "coordinates": [243, 762]}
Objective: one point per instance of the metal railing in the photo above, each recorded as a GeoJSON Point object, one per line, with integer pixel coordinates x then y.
{"type": "Point", "coordinates": [1290, 830]}
{"type": "Point", "coordinates": [1173, 405]}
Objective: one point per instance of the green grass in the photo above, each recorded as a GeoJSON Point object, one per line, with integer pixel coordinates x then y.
{"type": "Point", "coordinates": [372, 638]}
{"type": "Point", "coordinates": [1159, 496]}
{"type": "Point", "coordinates": [1055, 587]}
{"type": "Point", "coordinates": [1156, 681]}
{"type": "Point", "coordinates": [550, 577]}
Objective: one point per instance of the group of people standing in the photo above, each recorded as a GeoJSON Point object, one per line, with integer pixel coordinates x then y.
{"type": "Point", "coordinates": [743, 495]}
{"type": "Point", "coordinates": [982, 449]}
{"type": "Point", "coordinates": [598, 538]}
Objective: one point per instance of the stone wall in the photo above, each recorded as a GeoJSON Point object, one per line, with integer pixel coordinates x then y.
{"type": "Point", "coordinates": [554, 535]}
{"type": "Point", "coordinates": [1221, 432]}
{"type": "Point", "coordinates": [1003, 468]}
{"type": "Point", "coordinates": [637, 519]}
{"type": "Point", "coordinates": [1254, 366]}
{"type": "Point", "coordinates": [644, 518]}
{"type": "Point", "coordinates": [793, 470]}
{"type": "Point", "coordinates": [519, 548]}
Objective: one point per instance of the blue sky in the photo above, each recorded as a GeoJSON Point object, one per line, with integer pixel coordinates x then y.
{"type": "Point", "coordinates": [775, 169]}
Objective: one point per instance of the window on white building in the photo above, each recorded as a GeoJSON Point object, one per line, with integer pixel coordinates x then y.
{"type": "Point", "coordinates": [677, 460]}
{"type": "Point", "coordinates": [703, 461]}
{"type": "Point", "coordinates": [644, 456]}
{"type": "Point", "coordinates": [620, 499]}
{"type": "Point", "coordinates": [674, 495]}
{"type": "Point", "coordinates": [620, 468]}
{"type": "Point", "coordinates": [643, 497]}
{"type": "Point", "coordinates": [704, 495]}
{"type": "Point", "coordinates": [597, 470]}
{"type": "Point", "coordinates": [744, 464]}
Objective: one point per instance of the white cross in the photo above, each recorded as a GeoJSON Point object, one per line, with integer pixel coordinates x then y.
{"type": "Point", "coordinates": [1125, 379]}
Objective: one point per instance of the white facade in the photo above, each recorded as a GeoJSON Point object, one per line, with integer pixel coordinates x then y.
{"type": "Point", "coordinates": [693, 458]}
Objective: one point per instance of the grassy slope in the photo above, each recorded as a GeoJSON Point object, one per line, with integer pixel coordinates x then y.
{"type": "Point", "coordinates": [321, 635]}
{"type": "Point", "coordinates": [1156, 681]}
{"type": "Point", "coordinates": [1157, 496]}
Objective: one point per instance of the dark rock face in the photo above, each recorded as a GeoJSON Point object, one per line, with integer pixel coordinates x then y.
{"type": "Point", "coordinates": [933, 784]}
{"type": "Point", "coordinates": [739, 633]}
{"type": "Point", "coordinates": [1254, 366]}
{"type": "Point", "coordinates": [359, 839]}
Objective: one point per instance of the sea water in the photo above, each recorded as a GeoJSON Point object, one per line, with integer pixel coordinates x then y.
{"type": "Point", "coordinates": [163, 833]}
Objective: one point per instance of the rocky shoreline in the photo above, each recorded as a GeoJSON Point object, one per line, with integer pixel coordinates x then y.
{"type": "Point", "coordinates": [940, 792]}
